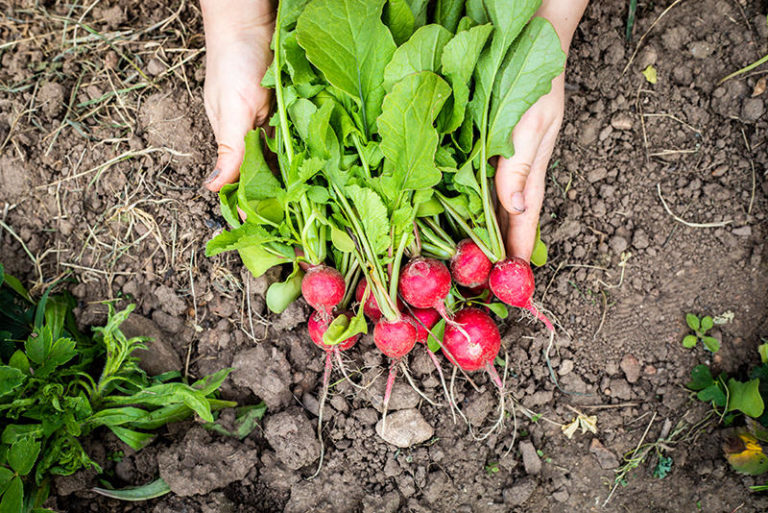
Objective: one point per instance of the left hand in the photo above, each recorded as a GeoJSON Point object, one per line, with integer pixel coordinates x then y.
{"type": "Point", "coordinates": [520, 180]}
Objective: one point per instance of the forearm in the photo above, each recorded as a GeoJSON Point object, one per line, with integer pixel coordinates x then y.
{"type": "Point", "coordinates": [564, 15]}
{"type": "Point", "coordinates": [222, 17]}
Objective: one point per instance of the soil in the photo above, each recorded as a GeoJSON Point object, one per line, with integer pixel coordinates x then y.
{"type": "Point", "coordinates": [104, 144]}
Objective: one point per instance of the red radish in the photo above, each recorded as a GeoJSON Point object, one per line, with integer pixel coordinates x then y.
{"type": "Point", "coordinates": [425, 283]}
{"type": "Point", "coordinates": [470, 266]}
{"type": "Point", "coordinates": [425, 319]}
{"type": "Point", "coordinates": [395, 339]}
{"type": "Point", "coordinates": [323, 288]}
{"type": "Point", "coordinates": [318, 324]}
{"type": "Point", "coordinates": [512, 281]}
{"type": "Point", "coordinates": [473, 342]}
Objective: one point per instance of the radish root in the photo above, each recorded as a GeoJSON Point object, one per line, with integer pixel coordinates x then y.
{"type": "Point", "coordinates": [442, 382]}
{"type": "Point", "coordinates": [323, 397]}
{"type": "Point", "coordinates": [388, 392]}
{"type": "Point", "coordinates": [413, 385]}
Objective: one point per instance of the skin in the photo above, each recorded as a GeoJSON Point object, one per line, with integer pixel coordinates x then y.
{"type": "Point", "coordinates": [520, 180]}
{"type": "Point", "coordinates": [237, 36]}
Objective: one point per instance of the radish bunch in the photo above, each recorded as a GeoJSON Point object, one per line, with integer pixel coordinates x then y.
{"type": "Point", "coordinates": [381, 203]}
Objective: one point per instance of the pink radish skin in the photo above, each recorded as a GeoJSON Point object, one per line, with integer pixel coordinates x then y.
{"type": "Point", "coordinates": [512, 282]}
{"type": "Point", "coordinates": [425, 283]}
{"type": "Point", "coordinates": [425, 318]}
{"type": "Point", "coordinates": [469, 266]}
{"type": "Point", "coordinates": [473, 342]}
{"type": "Point", "coordinates": [323, 288]}
{"type": "Point", "coordinates": [395, 338]}
{"type": "Point", "coordinates": [318, 324]}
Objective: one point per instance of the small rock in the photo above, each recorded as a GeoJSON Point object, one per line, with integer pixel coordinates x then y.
{"type": "Point", "coordinates": [405, 428]}
{"type": "Point", "coordinates": [292, 437]}
{"type": "Point", "coordinates": [566, 366]}
{"type": "Point", "coordinates": [561, 495]}
{"type": "Point", "coordinates": [622, 121]}
{"type": "Point", "coordinates": [169, 302]}
{"type": "Point", "coordinates": [597, 174]}
{"type": "Point", "coordinates": [640, 239]}
{"type": "Point", "coordinates": [618, 244]}
{"type": "Point", "coordinates": [620, 389]}
{"type": "Point", "coordinates": [605, 457]}
{"type": "Point", "coordinates": [753, 109]}
{"type": "Point", "coordinates": [159, 356]}
{"type": "Point", "coordinates": [631, 367]}
{"type": "Point", "coordinates": [155, 66]}
{"type": "Point", "coordinates": [701, 49]}
{"type": "Point", "coordinates": [743, 231]}
{"type": "Point", "coordinates": [531, 460]}
{"type": "Point", "coordinates": [520, 492]}
{"type": "Point", "coordinates": [589, 132]}
{"type": "Point", "coordinates": [650, 370]}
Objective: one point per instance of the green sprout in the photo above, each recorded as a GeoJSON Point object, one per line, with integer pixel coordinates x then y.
{"type": "Point", "coordinates": [700, 327]}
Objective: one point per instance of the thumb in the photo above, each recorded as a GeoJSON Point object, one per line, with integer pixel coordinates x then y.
{"type": "Point", "coordinates": [512, 173]}
{"type": "Point", "coordinates": [231, 148]}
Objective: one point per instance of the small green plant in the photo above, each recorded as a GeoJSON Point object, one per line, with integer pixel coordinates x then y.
{"type": "Point", "coordinates": [492, 468]}
{"type": "Point", "coordinates": [700, 328]}
{"type": "Point", "coordinates": [663, 467]}
{"type": "Point", "coordinates": [58, 385]}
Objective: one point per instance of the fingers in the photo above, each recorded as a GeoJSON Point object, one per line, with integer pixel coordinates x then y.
{"type": "Point", "coordinates": [231, 148]}
{"type": "Point", "coordinates": [512, 174]}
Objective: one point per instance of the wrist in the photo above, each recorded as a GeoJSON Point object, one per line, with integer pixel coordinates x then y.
{"type": "Point", "coordinates": [223, 18]}
{"type": "Point", "coordinates": [564, 15]}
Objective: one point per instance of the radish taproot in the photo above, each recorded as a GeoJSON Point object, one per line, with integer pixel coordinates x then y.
{"type": "Point", "coordinates": [395, 339]}
{"type": "Point", "coordinates": [323, 288]}
{"type": "Point", "coordinates": [425, 283]}
{"type": "Point", "coordinates": [511, 281]}
{"type": "Point", "coordinates": [317, 325]}
{"type": "Point", "coordinates": [469, 265]}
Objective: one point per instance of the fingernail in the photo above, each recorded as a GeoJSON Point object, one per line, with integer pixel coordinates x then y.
{"type": "Point", "coordinates": [212, 176]}
{"type": "Point", "coordinates": [518, 203]}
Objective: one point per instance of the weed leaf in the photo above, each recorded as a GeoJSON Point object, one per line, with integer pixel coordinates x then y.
{"type": "Point", "coordinates": [745, 397]}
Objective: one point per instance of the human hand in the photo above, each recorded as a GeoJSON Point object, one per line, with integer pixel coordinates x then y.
{"type": "Point", "coordinates": [237, 35]}
{"type": "Point", "coordinates": [520, 180]}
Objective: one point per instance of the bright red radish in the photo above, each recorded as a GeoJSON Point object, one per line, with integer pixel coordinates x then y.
{"type": "Point", "coordinates": [323, 288]}
{"type": "Point", "coordinates": [512, 281]}
{"type": "Point", "coordinates": [395, 339]}
{"type": "Point", "coordinates": [425, 283]}
{"type": "Point", "coordinates": [425, 319]}
{"type": "Point", "coordinates": [473, 341]}
{"type": "Point", "coordinates": [318, 324]}
{"type": "Point", "coordinates": [470, 266]}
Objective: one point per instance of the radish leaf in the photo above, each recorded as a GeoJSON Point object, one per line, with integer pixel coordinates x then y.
{"type": "Point", "coordinates": [422, 52]}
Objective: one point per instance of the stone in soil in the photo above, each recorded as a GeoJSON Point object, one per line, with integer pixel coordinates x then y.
{"type": "Point", "coordinates": [520, 492]}
{"type": "Point", "coordinates": [160, 356]}
{"type": "Point", "coordinates": [631, 367]}
{"type": "Point", "coordinates": [200, 463]}
{"type": "Point", "coordinates": [272, 380]}
{"type": "Point", "coordinates": [405, 428]}
{"type": "Point", "coordinates": [292, 437]}
{"type": "Point", "coordinates": [531, 459]}
{"type": "Point", "coordinates": [604, 456]}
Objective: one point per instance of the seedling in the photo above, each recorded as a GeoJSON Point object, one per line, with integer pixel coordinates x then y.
{"type": "Point", "coordinates": [700, 328]}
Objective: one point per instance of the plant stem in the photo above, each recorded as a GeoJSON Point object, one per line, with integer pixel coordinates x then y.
{"type": "Point", "coordinates": [394, 277]}
{"type": "Point", "coordinates": [467, 229]}
{"type": "Point", "coordinates": [279, 89]}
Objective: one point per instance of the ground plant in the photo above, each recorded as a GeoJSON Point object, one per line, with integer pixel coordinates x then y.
{"type": "Point", "coordinates": [58, 385]}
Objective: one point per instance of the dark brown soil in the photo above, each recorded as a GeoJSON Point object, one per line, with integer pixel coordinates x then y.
{"type": "Point", "coordinates": [100, 172]}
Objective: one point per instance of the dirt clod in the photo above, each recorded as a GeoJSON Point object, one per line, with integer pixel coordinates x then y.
{"type": "Point", "coordinates": [200, 464]}
{"type": "Point", "coordinates": [604, 456]}
{"type": "Point", "coordinates": [531, 459]}
{"type": "Point", "coordinates": [631, 367]}
{"type": "Point", "coordinates": [292, 437]}
{"type": "Point", "coordinates": [272, 381]}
